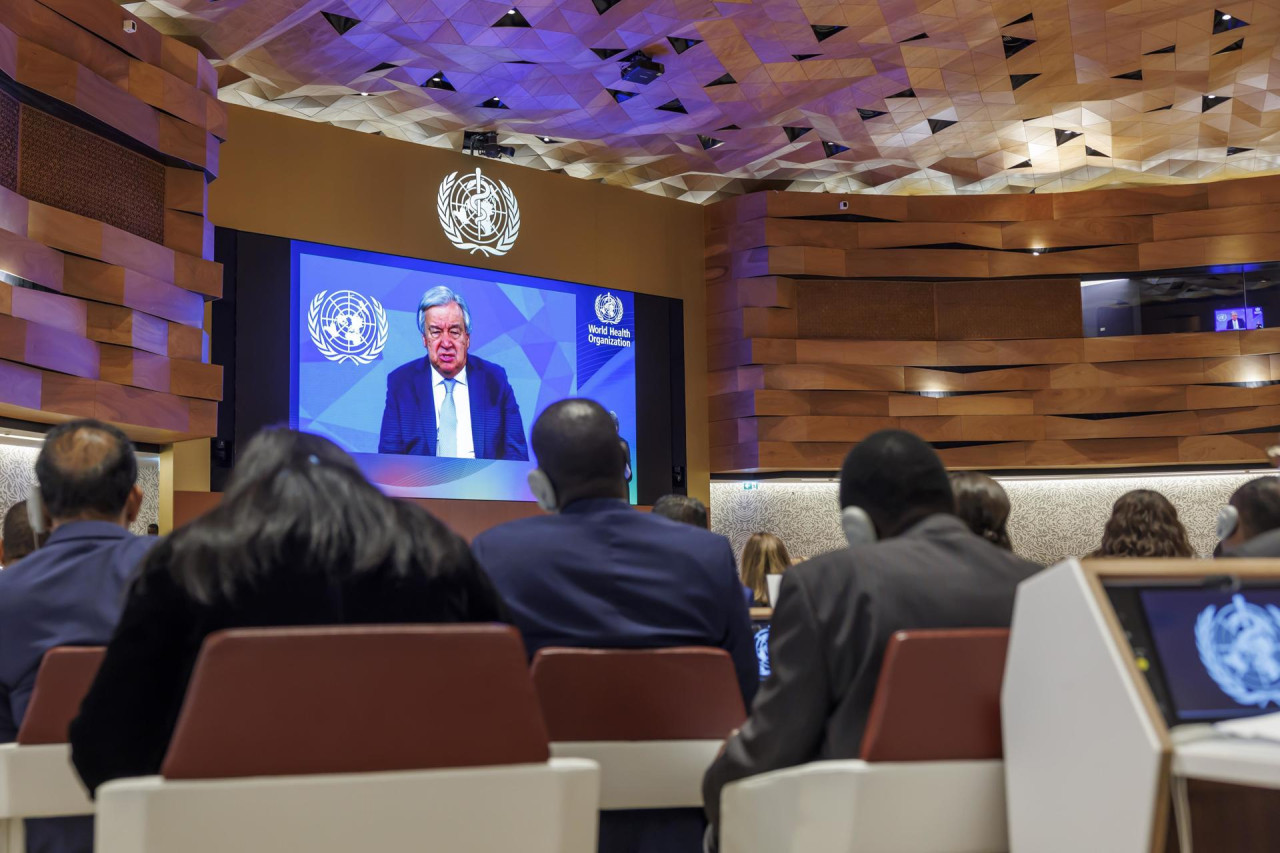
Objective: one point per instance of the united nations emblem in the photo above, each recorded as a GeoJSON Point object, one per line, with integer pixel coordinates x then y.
{"type": "Point", "coordinates": [1240, 648]}
{"type": "Point", "coordinates": [608, 309]}
{"type": "Point", "coordinates": [762, 651]}
{"type": "Point", "coordinates": [478, 214]}
{"type": "Point", "coordinates": [346, 326]}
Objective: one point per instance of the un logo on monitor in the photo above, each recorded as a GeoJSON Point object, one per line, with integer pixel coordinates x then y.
{"type": "Point", "coordinates": [1240, 648]}
{"type": "Point", "coordinates": [347, 326]}
{"type": "Point", "coordinates": [478, 214]}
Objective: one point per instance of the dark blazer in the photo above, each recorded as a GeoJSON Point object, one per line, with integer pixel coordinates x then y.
{"type": "Point", "coordinates": [67, 593]}
{"type": "Point", "coordinates": [833, 621]}
{"type": "Point", "coordinates": [128, 717]}
{"type": "Point", "coordinates": [601, 574]}
{"type": "Point", "coordinates": [409, 419]}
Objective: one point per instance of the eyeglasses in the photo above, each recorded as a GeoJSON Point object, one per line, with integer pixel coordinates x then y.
{"type": "Point", "coordinates": [434, 333]}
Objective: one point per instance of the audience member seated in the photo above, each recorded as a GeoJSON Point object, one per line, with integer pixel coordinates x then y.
{"type": "Point", "coordinates": [683, 508]}
{"type": "Point", "coordinates": [1249, 525]}
{"type": "Point", "coordinates": [597, 573]}
{"type": "Point", "coordinates": [16, 538]}
{"type": "Point", "coordinates": [763, 555]}
{"type": "Point", "coordinates": [300, 538]}
{"type": "Point", "coordinates": [69, 592]}
{"type": "Point", "coordinates": [911, 564]}
{"type": "Point", "coordinates": [1144, 524]}
{"type": "Point", "coordinates": [983, 505]}
{"type": "Point", "coordinates": [153, 529]}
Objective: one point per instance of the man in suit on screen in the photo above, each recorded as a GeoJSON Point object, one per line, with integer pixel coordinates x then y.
{"type": "Point", "coordinates": [450, 403]}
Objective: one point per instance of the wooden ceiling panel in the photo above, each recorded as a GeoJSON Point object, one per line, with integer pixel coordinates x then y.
{"type": "Point", "coordinates": [846, 96]}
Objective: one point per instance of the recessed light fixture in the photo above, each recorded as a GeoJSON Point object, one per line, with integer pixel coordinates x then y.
{"type": "Point", "coordinates": [511, 11]}
{"type": "Point", "coordinates": [1035, 252]}
{"type": "Point", "coordinates": [1226, 17]}
{"type": "Point", "coordinates": [364, 94]}
{"type": "Point", "coordinates": [1211, 97]}
{"type": "Point", "coordinates": [545, 138]}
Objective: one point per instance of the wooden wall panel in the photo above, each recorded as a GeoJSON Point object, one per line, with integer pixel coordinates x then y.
{"type": "Point", "coordinates": [939, 319]}
{"type": "Point", "coordinates": [107, 237]}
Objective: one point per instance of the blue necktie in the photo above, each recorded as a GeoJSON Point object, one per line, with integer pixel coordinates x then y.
{"type": "Point", "coordinates": [448, 422]}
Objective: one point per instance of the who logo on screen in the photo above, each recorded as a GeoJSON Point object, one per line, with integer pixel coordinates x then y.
{"type": "Point", "coordinates": [347, 326]}
{"type": "Point", "coordinates": [1239, 646]}
{"type": "Point", "coordinates": [478, 214]}
{"type": "Point", "coordinates": [608, 309]}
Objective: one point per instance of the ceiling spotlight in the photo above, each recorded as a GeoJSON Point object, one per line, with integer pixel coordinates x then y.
{"type": "Point", "coordinates": [1226, 17]}
{"type": "Point", "coordinates": [545, 138]}
{"type": "Point", "coordinates": [511, 11]}
{"type": "Point", "coordinates": [642, 70]}
{"type": "Point", "coordinates": [1211, 97]}
{"type": "Point", "coordinates": [364, 94]}
{"type": "Point", "coordinates": [485, 143]}
{"type": "Point", "coordinates": [1035, 252]}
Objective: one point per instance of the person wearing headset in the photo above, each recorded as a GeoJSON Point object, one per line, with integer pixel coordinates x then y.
{"type": "Point", "coordinates": [595, 572]}
{"type": "Point", "coordinates": [911, 564]}
{"type": "Point", "coordinates": [71, 590]}
{"type": "Point", "coordinates": [1249, 524]}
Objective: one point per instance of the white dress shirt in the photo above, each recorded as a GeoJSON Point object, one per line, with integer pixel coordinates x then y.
{"type": "Point", "coordinates": [466, 443]}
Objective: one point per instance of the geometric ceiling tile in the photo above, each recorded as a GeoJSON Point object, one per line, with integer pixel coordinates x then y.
{"type": "Point", "coordinates": [1013, 44]}
{"type": "Point", "coordinates": [1223, 22]}
{"type": "Point", "coordinates": [822, 32]}
{"type": "Point", "coordinates": [1020, 80]}
{"type": "Point", "coordinates": [680, 45]}
{"type": "Point", "coordinates": [341, 23]}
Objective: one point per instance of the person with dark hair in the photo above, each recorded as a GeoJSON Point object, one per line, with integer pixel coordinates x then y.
{"type": "Point", "coordinates": [300, 538]}
{"type": "Point", "coordinates": [983, 505]}
{"type": "Point", "coordinates": [69, 592]}
{"type": "Point", "coordinates": [595, 572]}
{"type": "Point", "coordinates": [911, 564]}
{"type": "Point", "coordinates": [16, 538]}
{"type": "Point", "coordinates": [153, 529]}
{"type": "Point", "coordinates": [684, 509]}
{"type": "Point", "coordinates": [1144, 524]}
{"type": "Point", "coordinates": [1249, 525]}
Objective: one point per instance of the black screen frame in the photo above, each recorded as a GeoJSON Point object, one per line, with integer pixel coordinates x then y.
{"type": "Point", "coordinates": [251, 341]}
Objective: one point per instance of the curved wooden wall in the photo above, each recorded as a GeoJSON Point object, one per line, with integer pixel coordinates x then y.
{"type": "Point", "coordinates": [823, 330]}
{"type": "Point", "coordinates": [107, 142]}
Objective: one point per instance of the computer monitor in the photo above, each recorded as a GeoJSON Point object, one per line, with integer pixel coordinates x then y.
{"type": "Point", "coordinates": [760, 628]}
{"type": "Point", "coordinates": [1209, 654]}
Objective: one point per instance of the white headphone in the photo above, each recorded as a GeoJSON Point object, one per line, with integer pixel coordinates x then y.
{"type": "Point", "coordinates": [35, 509]}
{"type": "Point", "coordinates": [1228, 520]}
{"type": "Point", "coordinates": [858, 527]}
{"type": "Point", "coordinates": [543, 491]}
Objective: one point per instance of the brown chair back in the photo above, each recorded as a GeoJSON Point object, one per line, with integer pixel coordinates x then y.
{"type": "Point", "coordinates": [650, 694]}
{"type": "Point", "coordinates": [938, 697]}
{"type": "Point", "coordinates": [286, 701]}
{"type": "Point", "coordinates": [65, 675]}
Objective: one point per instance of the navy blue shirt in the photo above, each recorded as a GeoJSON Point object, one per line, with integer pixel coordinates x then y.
{"type": "Point", "coordinates": [600, 574]}
{"type": "Point", "coordinates": [70, 592]}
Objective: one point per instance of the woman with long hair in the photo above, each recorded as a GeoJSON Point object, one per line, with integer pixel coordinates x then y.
{"type": "Point", "coordinates": [1144, 524]}
{"type": "Point", "coordinates": [983, 505]}
{"type": "Point", "coordinates": [763, 555]}
{"type": "Point", "coordinates": [300, 538]}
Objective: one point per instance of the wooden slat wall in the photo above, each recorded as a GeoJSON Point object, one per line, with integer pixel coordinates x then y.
{"type": "Point", "coordinates": [115, 238]}
{"type": "Point", "coordinates": [822, 331]}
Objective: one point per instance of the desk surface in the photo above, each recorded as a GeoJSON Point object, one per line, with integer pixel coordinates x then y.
{"type": "Point", "coordinates": [1237, 761]}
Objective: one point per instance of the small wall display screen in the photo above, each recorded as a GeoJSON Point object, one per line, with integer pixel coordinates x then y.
{"type": "Point", "coordinates": [1219, 651]}
{"type": "Point", "coordinates": [439, 402]}
{"type": "Point", "coordinates": [1229, 319]}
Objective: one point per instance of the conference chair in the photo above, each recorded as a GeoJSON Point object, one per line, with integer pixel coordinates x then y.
{"type": "Point", "coordinates": [652, 719]}
{"type": "Point", "coordinates": [372, 739]}
{"type": "Point", "coordinates": [36, 776]}
{"type": "Point", "coordinates": [930, 779]}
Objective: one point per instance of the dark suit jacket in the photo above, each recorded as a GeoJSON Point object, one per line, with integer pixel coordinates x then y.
{"type": "Point", "coordinates": [1263, 546]}
{"type": "Point", "coordinates": [601, 574]}
{"type": "Point", "coordinates": [67, 593]}
{"type": "Point", "coordinates": [834, 618]}
{"type": "Point", "coordinates": [127, 718]}
{"type": "Point", "coordinates": [409, 419]}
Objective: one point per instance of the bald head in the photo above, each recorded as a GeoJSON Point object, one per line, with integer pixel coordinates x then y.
{"type": "Point", "coordinates": [577, 447]}
{"type": "Point", "coordinates": [87, 470]}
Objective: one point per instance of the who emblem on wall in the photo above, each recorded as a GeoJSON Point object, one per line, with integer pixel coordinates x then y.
{"type": "Point", "coordinates": [347, 326]}
{"type": "Point", "coordinates": [478, 214]}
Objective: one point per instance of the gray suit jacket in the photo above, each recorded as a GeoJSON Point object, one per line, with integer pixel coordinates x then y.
{"type": "Point", "coordinates": [834, 618]}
